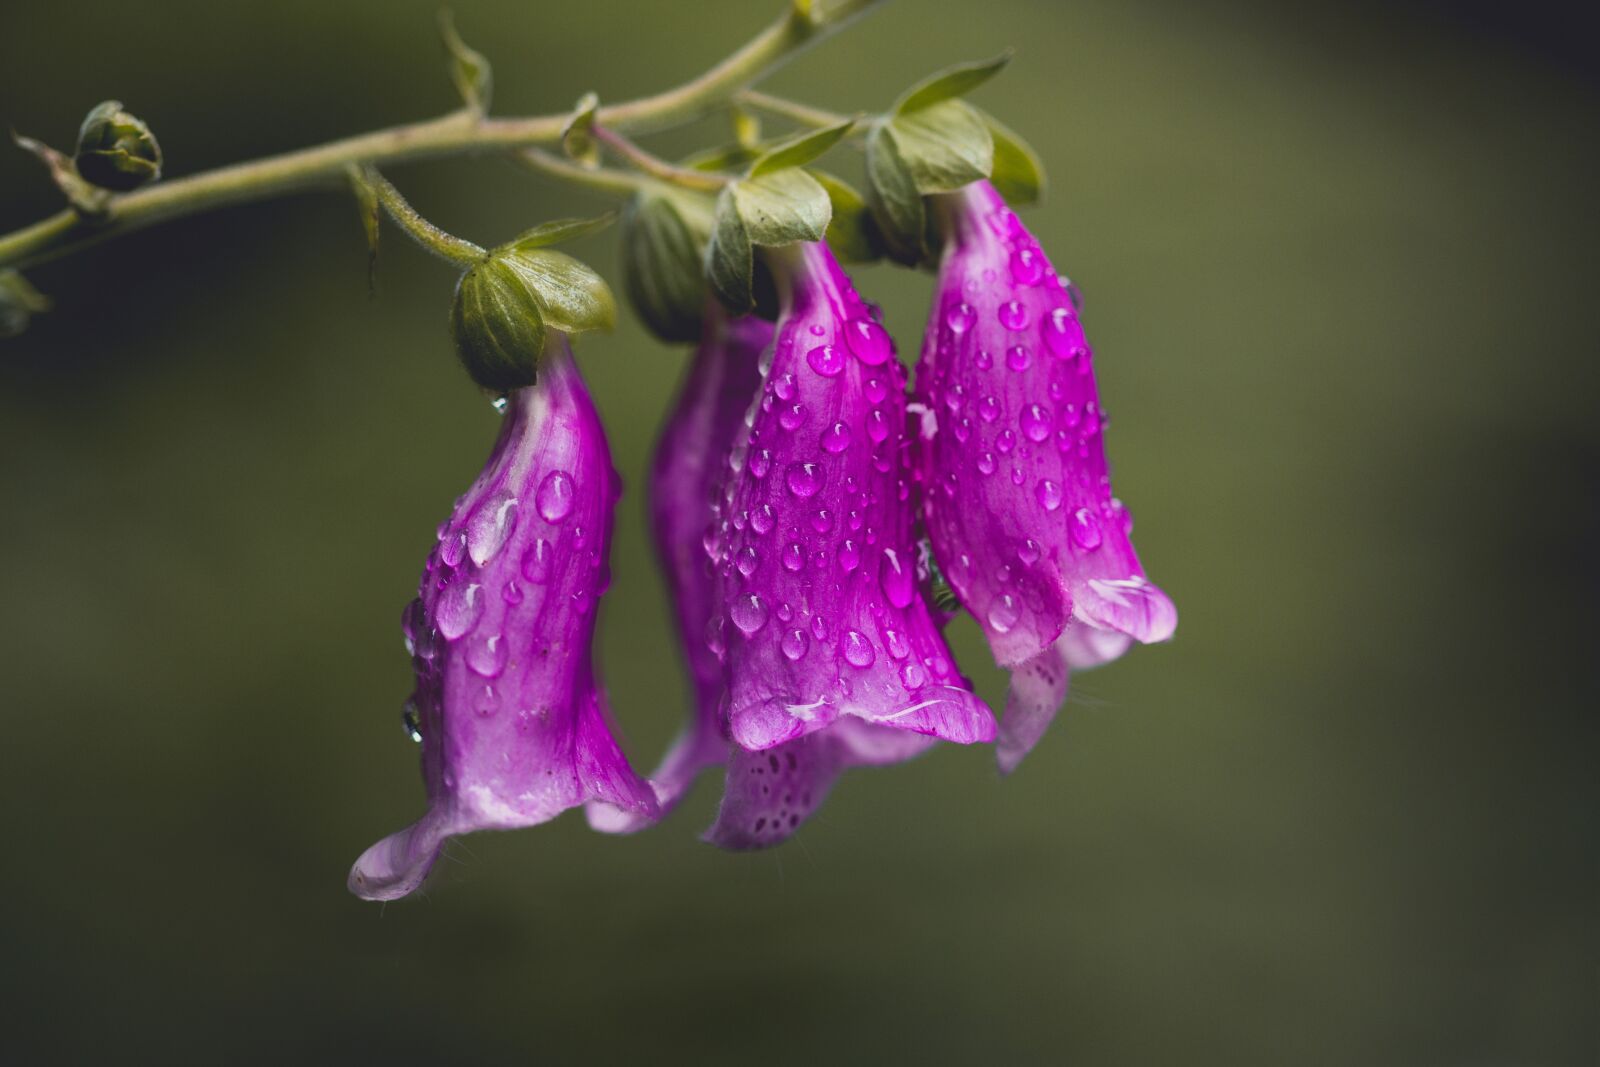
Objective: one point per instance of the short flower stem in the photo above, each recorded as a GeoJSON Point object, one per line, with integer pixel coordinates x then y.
{"type": "Point", "coordinates": [445, 246]}
{"type": "Point", "coordinates": [655, 166]}
{"type": "Point", "coordinates": [462, 132]}
{"type": "Point", "coordinates": [804, 114]}
{"type": "Point", "coordinates": [600, 179]}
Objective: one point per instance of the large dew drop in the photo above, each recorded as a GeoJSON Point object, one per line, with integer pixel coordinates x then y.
{"type": "Point", "coordinates": [555, 496]}
{"type": "Point", "coordinates": [490, 526]}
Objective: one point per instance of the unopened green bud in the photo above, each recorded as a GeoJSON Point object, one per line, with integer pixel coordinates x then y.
{"type": "Point", "coordinates": [498, 330]}
{"type": "Point", "coordinates": [116, 150]}
{"type": "Point", "coordinates": [505, 303]}
{"type": "Point", "coordinates": [662, 271]}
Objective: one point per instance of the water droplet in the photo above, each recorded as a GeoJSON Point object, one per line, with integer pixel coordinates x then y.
{"type": "Point", "coordinates": [819, 628]}
{"type": "Point", "coordinates": [748, 561]}
{"type": "Point", "coordinates": [875, 390]}
{"type": "Point", "coordinates": [1085, 529]}
{"type": "Point", "coordinates": [983, 359]}
{"type": "Point", "coordinates": [1005, 441]}
{"type": "Point", "coordinates": [1049, 494]}
{"type": "Point", "coordinates": [913, 675]}
{"type": "Point", "coordinates": [849, 556]}
{"type": "Point", "coordinates": [760, 463]}
{"type": "Point", "coordinates": [989, 409]}
{"type": "Point", "coordinates": [817, 329]}
{"type": "Point", "coordinates": [877, 426]}
{"type": "Point", "coordinates": [986, 463]}
{"type": "Point", "coordinates": [826, 360]}
{"type": "Point", "coordinates": [959, 317]}
{"type": "Point", "coordinates": [869, 341]}
{"type": "Point", "coordinates": [792, 416]}
{"type": "Point", "coordinates": [1013, 315]}
{"type": "Point", "coordinates": [489, 527]}
{"type": "Point", "coordinates": [511, 592]}
{"type": "Point", "coordinates": [453, 549]}
{"type": "Point", "coordinates": [794, 558]}
{"type": "Point", "coordinates": [411, 721]}
{"type": "Point", "coordinates": [555, 497]}
{"type": "Point", "coordinates": [761, 519]}
{"type": "Point", "coordinates": [803, 479]}
{"type": "Point", "coordinates": [749, 613]}
{"type": "Point", "coordinates": [784, 386]}
{"type": "Point", "coordinates": [1003, 614]}
{"type": "Point", "coordinates": [857, 649]}
{"type": "Point", "coordinates": [1058, 332]}
{"type": "Point", "coordinates": [499, 404]}
{"type": "Point", "coordinates": [1028, 553]}
{"type": "Point", "coordinates": [459, 609]}
{"type": "Point", "coordinates": [1018, 357]}
{"type": "Point", "coordinates": [836, 439]}
{"type": "Point", "coordinates": [487, 655]}
{"type": "Point", "coordinates": [1035, 422]}
{"type": "Point", "coordinates": [794, 644]}
{"type": "Point", "coordinates": [537, 562]}
{"type": "Point", "coordinates": [716, 639]}
{"type": "Point", "coordinates": [897, 644]}
{"type": "Point", "coordinates": [895, 578]}
{"type": "Point", "coordinates": [487, 702]}
{"type": "Point", "coordinates": [1027, 266]}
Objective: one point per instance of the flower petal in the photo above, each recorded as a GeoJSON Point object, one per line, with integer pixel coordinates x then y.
{"type": "Point", "coordinates": [1038, 688]}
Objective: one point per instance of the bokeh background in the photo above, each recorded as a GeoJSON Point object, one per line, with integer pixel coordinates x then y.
{"type": "Point", "coordinates": [1339, 264]}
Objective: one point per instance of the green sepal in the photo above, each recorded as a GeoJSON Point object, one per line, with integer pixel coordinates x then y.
{"type": "Point", "coordinates": [852, 233]}
{"type": "Point", "coordinates": [781, 207]}
{"type": "Point", "coordinates": [571, 297]}
{"type": "Point", "coordinates": [1018, 173]}
{"type": "Point", "coordinates": [498, 328]}
{"type": "Point", "coordinates": [724, 158]}
{"type": "Point", "coordinates": [577, 140]}
{"type": "Point", "coordinates": [19, 302]}
{"type": "Point", "coordinates": [950, 83]}
{"type": "Point", "coordinates": [558, 231]}
{"type": "Point", "coordinates": [799, 150]}
{"type": "Point", "coordinates": [471, 72]}
{"type": "Point", "coordinates": [86, 199]}
{"type": "Point", "coordinates": [663, 275]}
{"type": "Point", "coordinates": [116, 149]}
{"type": "Point", "coordinates": [893, 198]}
{"type": "Point", "coordinates": [729, 258]}
{"type": "Point", "coordinates": [944, 145]}
{"type": "Point", "coordinates": [367, 204]}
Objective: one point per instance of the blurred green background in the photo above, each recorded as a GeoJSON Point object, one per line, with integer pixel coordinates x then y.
{"type": "Point", "coordinates": [1340, 269]}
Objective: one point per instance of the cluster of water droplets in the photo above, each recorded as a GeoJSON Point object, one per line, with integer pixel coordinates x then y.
{"type": "Point", "coordinates": [1010, 377]}
{"type": "Point", "coordinates": [812, 537]}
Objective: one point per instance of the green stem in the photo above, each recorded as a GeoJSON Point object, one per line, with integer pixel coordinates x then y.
{"type": "Point", "coordinates": [454, 134]}
{"type": "Point", "coordinates": [601, 179]}
{"type": "Point", "coordinates": [804, 114]}
{"type": "Point", "coordinates": [446, 246]}
{"type": "Point", "coordinates": [654, 165]}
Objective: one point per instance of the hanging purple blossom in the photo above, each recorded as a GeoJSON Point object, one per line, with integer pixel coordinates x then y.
{"type": "Point", "coordinates": [513, 725]}
{"type": "Point", "coordinates": [1017, 497]}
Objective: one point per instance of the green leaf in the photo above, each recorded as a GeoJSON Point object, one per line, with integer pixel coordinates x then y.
{"type": "Point", "coordinates": [577, 140]}
{"type": "Point", "coordinates": [799, 150]}
{"type": "Point", "coordinates": [894, 200]}
{"type": "Point", "coordinates": [852, 234]}
{"type": "Point", "coordinates": [782, 207]}
{"type": "Point", "coordinates": [19, 302]}
{"type": "Point", "coordinates": [470, 71]}
{"type": "Point", "coordinates": [728, 157]}
{"type": "Point", "coordinates": [1018, 174]}
{"type": "Point", "coordinates": [558, 231]}
{"type": "Point", "coordinates": [730, 260]}
{"type": "Point", "coordinates": [662, 264]}
{"type": "Point", "coordinates": [571, 297]}
{"type": "Point", "coordinates": [950, 83]}
{"type": "Point", "coordinates": [944, 145]}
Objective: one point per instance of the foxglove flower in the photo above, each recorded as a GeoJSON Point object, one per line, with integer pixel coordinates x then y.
{"type": "Point", "coordinates": [513, 725]}
{"type": "Point", "coordinates": [819, 615]}
{"type": "Point", "coordinates": [767, 794]}
{"type": "Point", "coordinates": [1017, 499]}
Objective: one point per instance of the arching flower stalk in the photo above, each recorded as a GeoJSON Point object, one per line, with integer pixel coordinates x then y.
{"type": "Point", "coordinates": [513, 724]}
{"type": "Point", "coordinates": [1017, 498]}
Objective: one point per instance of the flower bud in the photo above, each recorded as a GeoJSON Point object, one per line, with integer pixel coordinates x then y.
{"type": "Point", "coordinates": [116, 150]}
{"type": "Point", "coordinates": [505, 303]}
{"type": "Point", "coordinates": [498, 330]}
